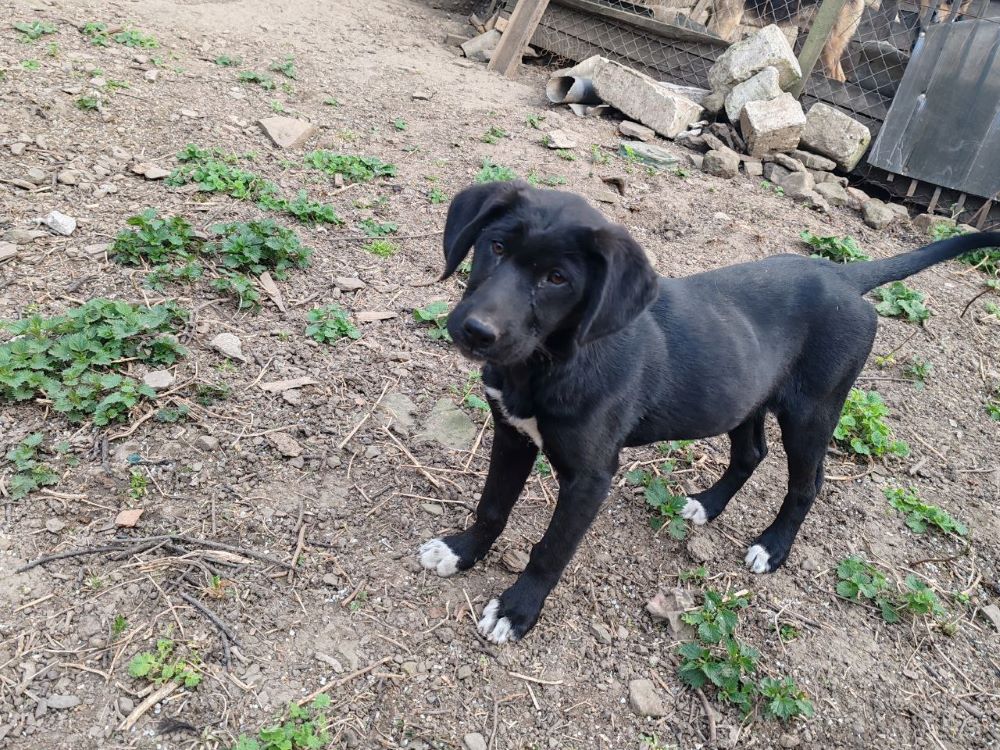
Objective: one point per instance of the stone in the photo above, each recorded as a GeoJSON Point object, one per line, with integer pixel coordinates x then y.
{"type": "Point", "coordinates": [125, 705]}
{"type": "Point", "coordinates": [924, 223]}
{"type": "Point", "coordinates": [833, 193]}
{"type": "Point", "coordinates": [788, 740]}
{"type": "Point", "coordinates": [155, 173]}
{"type": "Point", "coordinates": [634, 130]}
{"type": "Point", "coordinates": [794, 184]}
{"type": "Point", "coordinates": [37, 176]}
{"type": "Point", "coordinates": [831, 133]}
{"type": "Point", "coordinates": [812, 199]}
{"type": "Point", "coordinates": [128, 518]}
{"type": "Point", "coordinates": [713, 103]}
{"type": "Point", "coordinates": [435, 509]}
{"type": "Point", "coordinates": [902, 214]}
{"type": "Point", "coordinates": [373, 316]}
{"type": "Point", "coordinates": [159, 380]}
{"type": "Point", "coordinates": [464, 672]}
{"type": "Point", "coordinates": [455, 40]}
{"type": "Point", "coordinates": [206, 443]}
{"type": "Point", "coordinates": [767, 48]}
{"type": "Point", "coordinates": [23, 236]}
{"type": "Point", "coordinates": [792, 165]}
{"type": "Point", "coordinates": [722, 162]}
{"type": "Point", "coordinates": [774, 172]}
{"type": "Point", "coordinates": [422, 96]}
{"type": "Point", "coordinates": [762, 86]}
{"type": "Point", "coordinates": [62, 702]}
{"type": "Point", "coordinates": [601, 633]}
{"type": "Point", "coordinates": [753, 167]}
{"type": "Point", "coordinates": [228, 345]}
{"type": "Point", "coordinates": [60, 223]}
{"type": "Point", "coordinates": [713, 141]}
{"type": "Point", "coordinates": [642, 98]}
{"type": "Point", "coordinates": [400, 409]}
{"type": "Point", "coordinates": [694, 93]}
{"type": "Point", "coordinates": [669, 607]}
{"type": "Point", "coordinates": [821, 176]}
{"type": "Point", "coordinates": [449, 426]}
{"type": "Point", "coordinates": [287, 132]}
{"type": "Point", "coordinates": [644, 700]}
{"type": "Point", "coordinates": [7, 251]}
{"type": "Point", "coordinates": [856, 198]}
{"type": "Point", "coordinates": [474, 741]}
{"type": "Point", "coordinates": [479, 48]}
{"type": "Point", "coordinates": [773, 125]}
{"type": "Point", "coordinates": [285, 444]}
{"type": "Point", "coordinates": [814, 161]}
{"type": "Point", "coordinates": [991, 612]}
{"type": "Point", "coordinates": [700, 548]}
{"type": "Point", "coordinates": [877, 215]}
{"type": "Point", "coordinates": [281, 386]}
{"type": "Point", "coordinates": [54, 525]}
{"type": "Point", "coordinates": [697, 160]}
{"type": "Point", "coordinates": [348, 284]}
{"type": "Point", "coordinates": [17, 148]}
{"type": "Point", "coordinates": [558, 139]}
{"type": "Point", "coordinates": [68, 177]}
{"type": "Point", "coordinates": [514, 560]}
{"type": "Point", "coordinates": [651, 154]}
{"type": "Point", "coordinates": [191, 114]}
{"type": "Point", "coordinates": [151, 75]}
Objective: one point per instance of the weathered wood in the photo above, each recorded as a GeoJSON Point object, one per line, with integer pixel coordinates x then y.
{"type": "Point", "coordinates": [666, 30]}
{"type": "Point", "coordinates": [507, 56]}
{"type": "Point", "coordinates": [822, 25]}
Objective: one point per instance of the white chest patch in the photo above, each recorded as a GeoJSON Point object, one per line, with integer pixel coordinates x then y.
{"type": "Point", "coordinates": [528, 426]}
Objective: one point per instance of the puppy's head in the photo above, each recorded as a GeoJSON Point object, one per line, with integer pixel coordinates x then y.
{"type": "Point", "coordinates": [549, 273]}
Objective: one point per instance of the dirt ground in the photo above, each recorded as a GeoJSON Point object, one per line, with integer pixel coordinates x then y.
{"type": "Point", "coordinates": [399, 645]}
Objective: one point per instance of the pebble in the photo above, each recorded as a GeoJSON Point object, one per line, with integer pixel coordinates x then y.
{"type": "Point", "coordinates": [69, 177]}
{"type": "Point", "coordinates": [331, 579]}
{"type": "Point", "coordinates": [601, 633]}
{"type": "Point", "coordinates": [60, 223]}
{"type": "Point", "coordinates": [54, 525]}
{"type": "Point", "coordinates": [151, 75]}
{"type": "Point", "coordinates": [285, 444]}
{"type": "Point", "coordinates": [644, 699]}
{"type": "Point", "coordinates": [514, 560]}
{"type": "Point", "coordinates": [8, 250]}
{"type": "Point", "coordinates": [126, 704]}
{"type": "Point", "coordinates": [464, 672]}
{"type": "Point", "coordinates": [788, 740]}
{"type": "Point", "coordinates": [229, 345]}
{"type": "Point", "coordinates": [159, 380]}
{"type": "Point", "coordinates": [37, 176]}
{"type": "Point", "coordinates": [474, 741]}
{"type": "Point", "coordinates": [61, 702]}
{"type": "Point", "coordinates": [349, 284]}
{"type": "Point", "coordinates": [561, 139]}
{"type": "Point", "coordinates": [445, 635]}
{"type": "Point", "coordinates": [206, 443]}
{"type": "Point", "coordinates": [433, 508]}
{"type": "Point", "coordinates": [23, 236]}
{"type": "Point", "coordinates": [18, 148]}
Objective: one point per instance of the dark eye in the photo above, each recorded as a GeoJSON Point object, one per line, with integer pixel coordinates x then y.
{"type": "Point", "coordinates": [497, 248]}
{"type": "Point", "coordinates": [556, 277]}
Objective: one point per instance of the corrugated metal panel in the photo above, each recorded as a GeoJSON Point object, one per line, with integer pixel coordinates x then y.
{"type": "Point", "coordinates": [944, 125]}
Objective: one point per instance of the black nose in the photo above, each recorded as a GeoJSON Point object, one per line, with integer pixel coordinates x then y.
{"type": "Point", "coordinates": [480, 334]}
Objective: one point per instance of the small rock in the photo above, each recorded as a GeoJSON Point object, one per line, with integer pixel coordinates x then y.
{"type": "Point", "coordinates": [7, 251]}
{"type": "Point", "coordinates": [479, 48]}
{"type": "Point", "coordinates": [121, 154]}
{"type": "Point", "coordinates": [287, 132]}
{"type": "Point", "coordinates": [229, 345]}
{"type": "Point", "coordinates": [151, 75]}
{"type": "Point", "coordinates": [98, 82]}
{"type": "Point", "coordinates": [348, 284]}
{"type": "Point", "coordinates": [206, 443]}
{"type": "Point", "coordinates": [464, 672]}
{"type": "Point", "coordinates": [651, 154]}
{"type": "Point", "coordinates": [856, 199]}
{"type": "Point", "coordinates": [759, 87]}
{"type": "Point", "coordinates": [60, 223]}
{"type": "Point", "coordinates": [902, 215]}
{"type": "Point", "coordinates": [285, 444]}
{"type": "Point", "coordinates": [409, 667]}
{"type": "Point", "coordinates": [37, 176]}
{"type": "Point", "coordinates": [421, 96]}
{"type": "Point", "coordinates": [62, 702]}
{"type": "Point", "coordinates": [700, 548]}
{"type": "Point", "coordinates": [455, 40]}
{"type": "Point", "coordinates": [514, 560]}
{"type": "Point", "coordinates": [644, 699]}
{"type": "Point", "coordinates": [670, 607]}
{"type": "Point", "coordinates": [923, 223]}
{"type": "Point", "coordinates": [832, 133]}
{"type": "Point", "coordinates": [634, 130]}
{"type": "Point", "coordinates": [23, 236]}
{"type": "Point", "coordinates": [17, 148]}
{"type": "Point", "coordinates": [68, 177]}
{"type": "Point", "coordinates": [128, 518]}
{"type": "Point", "coordinates": [155, 173]}
{"type": "Point", "coordinates": [474, 741]}
{"type": "Point", "coordinates": [788, 740]}
{"type": "Point", "coordinates": [794, 184]}
{"type": "Point", "coordinates": [877, 215]}
{"type": "Point", "coordinates": [445, 635]}
{"type": "Point", "coordinates": [560, 139]}
{"type": "Point", "coordinates": [753, 167]}
{"type": "Point", "coordinates": [449, 426]}
{"type": "Point", "coordinates": [433, 508]}
{"type": "Point", "coordinates": [190, 114]}
{"type": "Point", "coordinates": [722, 162]}
{"type": "Point", "coordinates": [330, 579]}
{"type": "Point", "coordinates": [125, 705]}
{"type": "Point", "coordinates": [54, 525]}
{"type": "Point", "coordinates": [745, 58]}
{"type": "Point", "coordinates": [814, 161]}
{"type": "Point", "coordinates": [833, 193]}
{"type": "Point", "coordinates": [372, 316]}
{"type": "Point", "coordinates": [991, 612]}
{"type": "Point", "coordinates": [697, 160]}
{"type": "Point", "coordinates": [42, 141]}
{"type": "Point", "coordinates": [159, 380]}
{"type": "Point", "coordinates": [792, 165]}
{"type": "Point", "coordinates": [772, 125]}
{"type": "Point", "coordinates": [601, 633]}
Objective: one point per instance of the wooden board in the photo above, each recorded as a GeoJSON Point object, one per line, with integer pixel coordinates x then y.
{"type": "Point", "coordinates": [523, 22]}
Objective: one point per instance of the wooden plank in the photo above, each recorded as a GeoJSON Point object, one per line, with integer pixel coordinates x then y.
{"type": "Point", "coordinates": [666, 30]}
{"type": "Point", "coordinates": [934, 200]}
{"type": "Point", "coordinates": [912, 189]}
{"type": "Point", "coordinates": [507, 56]}
{"type": "Point", "coordinates": [823, 24]}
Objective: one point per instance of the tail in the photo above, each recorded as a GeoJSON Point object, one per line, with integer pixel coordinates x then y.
{"type": "Point", "coordinates": [867, 276]}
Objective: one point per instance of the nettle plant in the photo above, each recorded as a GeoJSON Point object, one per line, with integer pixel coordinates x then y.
{"type": "Point", "coordinates": [837, 249]}
{"type": "Point", "coordinates": [72, 360]}
{"type": "Point", "coordinates": [861, 582]}
{"type": "Point", "coordinates": [30, 473]}
{"type": "Point", "coordinates": [862, 428]}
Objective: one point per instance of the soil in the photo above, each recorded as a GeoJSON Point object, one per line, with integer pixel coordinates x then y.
{"type": "Point", "coordinates": [399, 645]}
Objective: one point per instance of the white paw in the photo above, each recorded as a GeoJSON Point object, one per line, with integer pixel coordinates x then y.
{"type": "Point", "coordinates": [492, 629]}
{"type": "Point", "coordinates": [694, 511]}
{"type": "Point", "coordinates": [758, 559]}
{"type": "Point", "coordinates": [437, 556]}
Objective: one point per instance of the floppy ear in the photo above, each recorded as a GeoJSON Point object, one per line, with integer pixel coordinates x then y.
{"type": "Point", "coordinates": [469, 212]}
{"type": "Point", "coordinates": [622, 285]}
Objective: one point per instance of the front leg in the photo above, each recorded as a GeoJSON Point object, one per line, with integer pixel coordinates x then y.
{"type": "Point", "coordinates": [515, 612]}
{"type": "Point", "coordinates": [511, 460]}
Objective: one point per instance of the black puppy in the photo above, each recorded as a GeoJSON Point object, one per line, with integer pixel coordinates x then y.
{"type": "Point", "coordinates": [587, 350]}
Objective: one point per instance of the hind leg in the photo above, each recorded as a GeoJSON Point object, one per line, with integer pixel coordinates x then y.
{"type": "Point", "coordinates": [747, 448]}
{"type": "Point", "coordinates": [806, 435]}
{"type": "Point", "coordinates": [843, 31]}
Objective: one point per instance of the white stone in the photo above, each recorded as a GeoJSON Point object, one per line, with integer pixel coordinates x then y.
{"type": "Point", "coordinates": [60, 223]}
{"type": "Point", "coordinates": [768, 47]}
{"type": "Point", "coordinates": [774, 125]}
{"type": "Point", "coordinates": [762, 86]}
{"type": "Point", "coordinates": [832, 133]}
{"type": "Point", "coordinates": [159, 380]}
{"type": "Point", "coordinates": [287, 132]}
{"type": "Point", "coordinates": [631, 129]}
{"type": "Point", "coordinates": [642, 98]}
{"type": "Point", "coordinates": [229, 345]}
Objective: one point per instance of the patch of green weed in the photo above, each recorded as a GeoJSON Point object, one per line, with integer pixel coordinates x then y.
{"type": "Point", "coordinates": [837, 249]}
{"type": "Point", "coordinates": [227, 61]}
{"type": "Point", "coordinates": [329, 323]}
{"type": "Point", "coordinates": [899, 301]}
{"type": "Point", "coordinates": [490, 172]}
{"type": "Point", "coordinates": [160, 666]}
{"type": "Point", "coordinates": [29, 473]}
{"type": "Point", "coordinates": [32, 32]}
{"type": "Point", "coordinates": [382, 248]}
{"type": "Point", "coordinates": [352, 168]}
{"type": "Point", "coordinates": [285, 66]}
{"type": "Point", "coordinates": [494, 134]}
{"type": "Point", "coordinates": [862, 428]}
{"type": "Point", "coordinates": [920, 515]}
{"type": "Point", "coordinates": [305, 729]}
{"type": "Point", "coordinates": [135, 38]}
{"type": "Point", "coordinates": [435, 315]}
{"type": "Point", "coordinates": [374, 228]}
{"type": "Point", "coordinates": [152, 240]}
{"type": "Point", "coordinates": [251, 76]}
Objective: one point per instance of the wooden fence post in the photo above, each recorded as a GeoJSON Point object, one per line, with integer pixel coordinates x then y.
{"type": "Point", "coordinates": [823, 24]}
{"type": "Point", "coordinates": [523, 22]}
